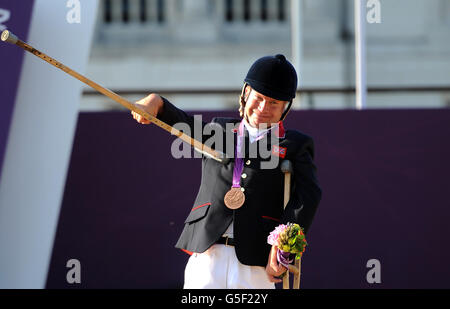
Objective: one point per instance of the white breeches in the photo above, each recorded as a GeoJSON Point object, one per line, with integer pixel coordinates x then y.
{"type": "Point", "coordinates": [219, 268]}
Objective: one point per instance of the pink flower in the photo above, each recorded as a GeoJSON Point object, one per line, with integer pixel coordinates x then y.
{"type": "Point", "coordinates": [281, 228]}
{"type": "Point", "coordinates": [273, 238]}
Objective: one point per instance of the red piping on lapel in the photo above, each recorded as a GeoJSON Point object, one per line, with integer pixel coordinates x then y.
{"type": "Point", "coordinates": [188, 252]}
{"type": "Point", "coordinates": [270, 218]}
{"type": "Point", "coordinates": [203, 205]}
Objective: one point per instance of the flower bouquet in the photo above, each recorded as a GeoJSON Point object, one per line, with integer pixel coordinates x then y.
{"type": "Point", "coordinates": [290, 241]}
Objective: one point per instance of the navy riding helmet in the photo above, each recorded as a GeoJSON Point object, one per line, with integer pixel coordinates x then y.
{"type": "Point", "coordinates": [275, 77]}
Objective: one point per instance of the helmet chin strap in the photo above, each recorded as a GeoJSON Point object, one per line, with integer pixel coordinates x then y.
{"type": "Point", "coordinates": [286, 111]}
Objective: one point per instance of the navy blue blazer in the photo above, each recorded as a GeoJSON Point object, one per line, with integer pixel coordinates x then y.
{"type": "Point", "coordinates": [264, 190]}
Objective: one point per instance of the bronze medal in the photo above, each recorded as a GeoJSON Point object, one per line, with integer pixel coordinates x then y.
{"type": "Point", "coordinates": [234, 198]}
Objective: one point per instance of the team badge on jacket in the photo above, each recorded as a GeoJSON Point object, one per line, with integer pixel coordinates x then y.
{"type": "Point", "coordinates": [279, 151]}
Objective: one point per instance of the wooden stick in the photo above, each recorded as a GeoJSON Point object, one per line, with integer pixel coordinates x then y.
{"type": "Point", "coordinates": [286, 168]}
{"type": "Point", "coordinates": [287, 194]}
{"type": "Point", "coordinates": [9, 37]}
{"type": "Point", "coordinates": [294, 269]}
{"type": "Point", "coordinates": [298, 267]}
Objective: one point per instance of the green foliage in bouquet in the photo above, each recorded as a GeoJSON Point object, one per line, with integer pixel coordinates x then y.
{"type": "Point", "coordinates": [292, 239]}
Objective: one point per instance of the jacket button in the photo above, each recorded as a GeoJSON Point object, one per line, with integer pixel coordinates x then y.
{"type": "Point", "coordinates": [248, 162]}
{"type": "Point", "coordinates": [242, 189]}
{"type": "Point", "coordinates": [244, 175]}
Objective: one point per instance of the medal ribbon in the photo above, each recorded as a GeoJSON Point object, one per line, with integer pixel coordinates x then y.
{"type": "Point", "coordinates": [239, 159]}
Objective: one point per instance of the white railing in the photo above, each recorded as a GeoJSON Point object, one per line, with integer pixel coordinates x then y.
{"type": "Point", "coordinates": [196, 20]}
{"type": "Point", "coordinates": [254, 10]}
{"type": "Point", "coordinates": [159, 11]}
{"type": "Point", "coordinates": [133, 11]}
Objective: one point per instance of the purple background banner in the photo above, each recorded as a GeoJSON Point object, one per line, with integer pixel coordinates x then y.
{"type": "Point", "coordinates": [384, 175]}
{"type": "Point", "coordinates": [12, 57]}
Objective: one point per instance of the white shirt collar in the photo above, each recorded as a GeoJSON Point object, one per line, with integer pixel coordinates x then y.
{"type": "Point", "coordinates": [255, 133]}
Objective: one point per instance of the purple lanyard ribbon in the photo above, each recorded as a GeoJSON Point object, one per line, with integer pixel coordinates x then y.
{"type": "Point", "coordinates": [239, 157]}
{"type": "Point", "coordinates": [239, 160]}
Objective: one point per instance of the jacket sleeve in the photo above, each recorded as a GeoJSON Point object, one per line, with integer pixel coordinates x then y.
{"type": "Point", "coordinates": [173, 115]}
{"type": "Point", "coordinates": [192, 126]}
{"type": "Point", "coordinates": [306, 193]}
